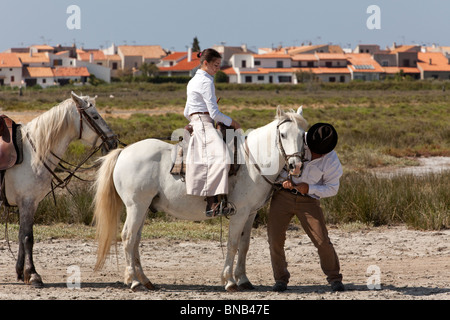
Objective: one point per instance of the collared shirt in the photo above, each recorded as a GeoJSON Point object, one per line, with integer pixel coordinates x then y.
{"type": "Point", "coordinates": [201, 97]}
{"type": "Point", "coordinates": [321, 174]}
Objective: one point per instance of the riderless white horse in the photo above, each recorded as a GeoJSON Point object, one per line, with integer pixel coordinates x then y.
{"type": "Point", "coordinates": [138, 176]}
{"type": "Point", "coordinates": [45, 140]}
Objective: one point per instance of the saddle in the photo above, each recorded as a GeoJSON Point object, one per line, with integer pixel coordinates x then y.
{"type": "Point", "coordinates": [11, 152]}
{"type": "Point", "coordinates": [180, 150]}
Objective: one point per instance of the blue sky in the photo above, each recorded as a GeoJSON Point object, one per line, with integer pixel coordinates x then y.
{"type": "Point", "coordinates": [258, 23]}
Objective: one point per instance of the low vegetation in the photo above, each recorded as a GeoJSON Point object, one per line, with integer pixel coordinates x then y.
{"type": "Point", "coordinates": [380, 124]}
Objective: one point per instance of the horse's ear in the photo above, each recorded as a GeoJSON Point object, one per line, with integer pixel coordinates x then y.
{"type": "Point", "coordinates": [280, 112]}
{"type": "Point", "coordinates": [78, 100]}
{"type": "Point", "coordinates": [300, 110]}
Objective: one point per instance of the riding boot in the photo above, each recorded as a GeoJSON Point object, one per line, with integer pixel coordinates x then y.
{"type": "Point", "coordinates": [217, 206]}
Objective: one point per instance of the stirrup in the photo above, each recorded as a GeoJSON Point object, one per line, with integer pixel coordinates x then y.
{"type": "Point", "coordinates": [223, 208]}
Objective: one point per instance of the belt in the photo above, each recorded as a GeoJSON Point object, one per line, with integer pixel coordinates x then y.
{"type": "Point", "coordinates": [295, 192]}
{"type": "Point", "coordinates": [198, 113]}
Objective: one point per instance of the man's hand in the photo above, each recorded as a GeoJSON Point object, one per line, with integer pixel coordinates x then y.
{"type": "Point", "coordinates": [303, 188]}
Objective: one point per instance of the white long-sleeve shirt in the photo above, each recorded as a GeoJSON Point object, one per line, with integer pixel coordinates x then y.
{"type": "Point", "coordinates": [201, 97]}
{"type": "Point", "coordinates": [321, 174]}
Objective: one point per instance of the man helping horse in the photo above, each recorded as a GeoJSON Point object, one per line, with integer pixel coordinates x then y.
{"type": "Point", "coordinates": [301, 197]}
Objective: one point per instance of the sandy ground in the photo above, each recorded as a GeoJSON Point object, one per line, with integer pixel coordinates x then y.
{"type": "Point", "coordinates": [409, 264]}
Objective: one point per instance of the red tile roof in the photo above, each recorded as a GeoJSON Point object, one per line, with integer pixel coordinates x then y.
{"type": "Point", "coordinates": [71, 72]}
{"type": "Point", "coordinates": [363, 62]}
{"type": "Point", "coordinates": [175, 56]}
{"type": "Point", "coordinates": [184, 65]}
{"type": "Point", "coordinates": [9, 60]}
{"type": "Point", "coordinates": [86, 55]}
{"type": "Point", "coordinates": [438, 61]}
{"type": "Point", "coordinates": [148, 52]}
{"type": "Point", "coordinates": [40, 57]}
{"type": "Point", "coordinates": [38, 72]}
{"type": "Point", "coordinates": [272, 56]}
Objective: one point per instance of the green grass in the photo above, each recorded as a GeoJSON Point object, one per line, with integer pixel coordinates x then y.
{"type": "Point", "coordinates": [379, 124]}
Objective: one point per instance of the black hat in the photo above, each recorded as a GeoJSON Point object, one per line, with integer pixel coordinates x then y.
{"type": "Point", "coordinates": [321, 138]}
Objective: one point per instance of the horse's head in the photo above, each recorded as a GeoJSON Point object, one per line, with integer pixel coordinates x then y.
{"type": "Point", "coordinates": [291, 129]}
{"type": "Point", "coordinates": [93, 126]}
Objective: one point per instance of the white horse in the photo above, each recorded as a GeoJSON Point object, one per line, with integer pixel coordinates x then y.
{"type": "Point", "coordinates": [45, 140]}
{"type": "Point", "coordinates": [138, 176]}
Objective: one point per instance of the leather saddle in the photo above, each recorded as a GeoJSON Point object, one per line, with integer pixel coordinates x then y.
{"type": "Point", "coordinates": [11, 152]}
{"type": "Point", "coordinates": [179, 151]}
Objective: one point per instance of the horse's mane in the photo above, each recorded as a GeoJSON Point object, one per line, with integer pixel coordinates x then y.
{"type": "Point", "coordinates": [45, 129]}
{"type": "Point", "coordinates": [294, 116]}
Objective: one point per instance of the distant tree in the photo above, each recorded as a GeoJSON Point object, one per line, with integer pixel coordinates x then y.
{"type": "Point", "coordinates": [149, 69]}
{"type": "Point", "coordinates": [196, 45]}
{"type": "Point", "coordinates": [221, 77]}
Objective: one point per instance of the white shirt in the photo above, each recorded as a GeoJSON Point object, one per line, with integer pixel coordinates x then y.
{"type": "Point", "coordinates": [201, 97]}
{"type": "Point", "coordinates": [321, 174]}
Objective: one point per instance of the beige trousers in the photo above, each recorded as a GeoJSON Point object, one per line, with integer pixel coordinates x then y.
{"type": "Point", "coordinates": [207, 160]}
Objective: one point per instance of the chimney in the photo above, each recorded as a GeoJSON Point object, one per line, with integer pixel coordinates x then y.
{"type": "Point", "coordinates": [91, 57]}
{"type": "Point", "coordinates": [189, 54]}
{"type": "Point", "coordinates": [244, 47]}
{"type": "Point", "coordinates": [430, 61]}
{"type": "Point", "coordinates": [31, 53]}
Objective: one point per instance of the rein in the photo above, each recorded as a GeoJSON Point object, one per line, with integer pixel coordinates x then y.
{"type": "Point", "coordinates": [62, 183]}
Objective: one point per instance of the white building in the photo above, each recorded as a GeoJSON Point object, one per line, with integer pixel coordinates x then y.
{"type": "Point", "coordinates": [10, 70]}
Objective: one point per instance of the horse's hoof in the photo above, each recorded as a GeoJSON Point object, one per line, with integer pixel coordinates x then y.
{"type": "Point", "coordinates": [232, 288]}
{"type": "Point", "coordinates": [246, 286]}
{"type": "Point", "coordinates": [38, 284]}
{"type": "Point", "coordinates": [138, 287]}
{"type": "Point", "coordinates": [150, 286]}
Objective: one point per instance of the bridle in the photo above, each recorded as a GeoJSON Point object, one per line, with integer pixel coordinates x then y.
{"type": "Point", "coordinates": [109, 141]}
{"type": "Point", "coordinates": [286, 157]}
{"type": "Point", "coordinates": [300, 154]}
{"type": "Point", "coordinates": [91, 117]}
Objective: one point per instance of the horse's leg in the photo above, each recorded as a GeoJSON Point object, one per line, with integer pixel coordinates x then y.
{"type": "Point", "coordinates": [234, 235]}
{"type": "Point", "coordinates": [25, 266]}
{"type": "Point", "coordinates": [130, 240]}
{"type": "Point", "coordinates": [240, 272]}
{"type": "Point", "coordinates": [138, 268]}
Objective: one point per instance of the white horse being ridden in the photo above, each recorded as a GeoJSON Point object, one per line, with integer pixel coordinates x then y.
{"type": "Point", "coordinates": [138, 177]}
{"type": "Point", "coordinates": [45, 140]}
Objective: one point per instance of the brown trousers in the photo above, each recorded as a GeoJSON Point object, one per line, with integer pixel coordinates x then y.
{"type": "Point", "coordinates": [283, 207]}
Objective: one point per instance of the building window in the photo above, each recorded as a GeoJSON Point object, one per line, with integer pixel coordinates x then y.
{"type": "Point", "coordinates": [342, 79]}
{"type": "Point", "coordinates": [114, 65]}
{"type": "Point", "coordinates": [248, 79]}
{"type": "Point", "coordinates": [279, 64]}
{"type": "Point", "coordinates": [310, 64]}
{"type": "Point", "coordinates": [328, 64]}
{"type": "Point", "coordinates": [257, 63]}
{"type": "Point", "coordinates": [332, 79]}
{"type": "Point", "coordinates": [12, 78]}
{"type": "Point", "coordinates": [260, 78]}
{"type": "Point", "coordinates": [243, 64]}
{"type": "Point", "coordinates": [44, 80]}
{"type": "Point", "coordinates": [284, 79]}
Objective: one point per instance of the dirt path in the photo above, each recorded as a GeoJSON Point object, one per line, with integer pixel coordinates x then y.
{"type": "Point", "coordinates": [411, 264]}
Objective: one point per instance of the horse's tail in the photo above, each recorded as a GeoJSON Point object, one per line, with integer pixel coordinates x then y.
{"type": "Point", "coordinates": [107, 207]}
